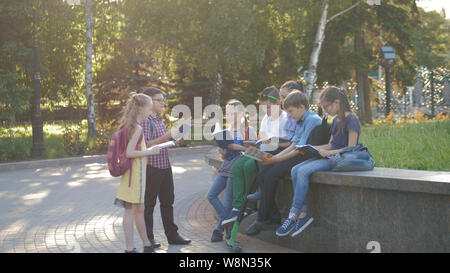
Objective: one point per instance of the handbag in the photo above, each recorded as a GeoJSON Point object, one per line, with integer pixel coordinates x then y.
{"type": "Point", "coordinates": [354, 158]}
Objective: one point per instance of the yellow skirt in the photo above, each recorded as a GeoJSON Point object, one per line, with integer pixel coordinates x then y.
{"type": "Point", "coordinates": [135, 192]}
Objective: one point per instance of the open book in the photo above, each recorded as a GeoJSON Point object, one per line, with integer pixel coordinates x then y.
{"type": "Point", "coordinates": [223, 138]}
{"type": "Point", "coordinates": [256, 154]}
{"type": "Point", "coordinates": [308, 149]}
{"type": "Point", "coordinates": [275, 140]}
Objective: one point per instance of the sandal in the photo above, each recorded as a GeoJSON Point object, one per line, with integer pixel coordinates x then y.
{"type": "Point", "coordinates": [132, 251]}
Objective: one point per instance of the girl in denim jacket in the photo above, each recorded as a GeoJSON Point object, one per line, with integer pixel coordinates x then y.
{"type": "Point", "coordinates": [224, 178]}
{"type": "Point", "coordinates": [345, 132]}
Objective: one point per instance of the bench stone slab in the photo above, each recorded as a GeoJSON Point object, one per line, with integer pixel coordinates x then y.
{"type": "Point", "coordinates": [400, 210]}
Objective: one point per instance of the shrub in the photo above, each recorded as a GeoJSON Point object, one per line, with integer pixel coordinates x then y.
{"type": "Point", "coordinates": [72, 140]}
{"type": "Point", "coordinates": [14, 145]}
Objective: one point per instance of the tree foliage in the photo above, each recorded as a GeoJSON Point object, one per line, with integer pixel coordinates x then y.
{"type": "Point", "coordinates": [183, 46]}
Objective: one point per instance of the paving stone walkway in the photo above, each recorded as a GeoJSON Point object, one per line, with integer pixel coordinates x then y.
{"type": "Point", "coordinates": [69, 209]}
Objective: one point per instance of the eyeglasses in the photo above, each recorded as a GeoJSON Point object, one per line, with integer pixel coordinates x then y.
{"type": "Point", "coordinates": [161, 101]}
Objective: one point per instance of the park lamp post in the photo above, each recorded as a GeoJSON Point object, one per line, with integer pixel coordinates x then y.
{"type": "Point", "coordinates": [387, 60]}
{"type": "Point", "coordinates": [37, 149]}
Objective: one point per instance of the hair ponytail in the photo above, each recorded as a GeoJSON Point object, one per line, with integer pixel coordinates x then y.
{"type": "Point", "coordinates": [131, 111]}
{"type": "Point", "coordinates": [332, 93]}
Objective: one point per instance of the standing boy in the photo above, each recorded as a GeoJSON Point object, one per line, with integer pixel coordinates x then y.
{"type": "Point", "coordinates": [159, 173]}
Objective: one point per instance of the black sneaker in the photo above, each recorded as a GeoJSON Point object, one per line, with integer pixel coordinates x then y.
{"type": "Point", "coordinates": [154, 244]}
{"type": "Point", "coordinates": [217, 236]}
{"type": "Point", "coordinates": [267, 225]}
{"type": "Point", "coordinates": [252, 230]}
{"type": "Point", "coordinates": [228, 233]}
{"type": "Point", "coordinates": [178, 240]}
{"type": "Point", "coordinates": [149, 249]}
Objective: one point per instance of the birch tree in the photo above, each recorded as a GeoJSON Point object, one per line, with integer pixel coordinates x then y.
{"type": "Point", "coordinates": [311, 73]}
{"type": "Point", "coordinates": [89, 9]}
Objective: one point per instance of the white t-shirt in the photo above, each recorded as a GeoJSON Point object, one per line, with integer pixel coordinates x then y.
{"type": "Point", "coordinates": [273, 128]}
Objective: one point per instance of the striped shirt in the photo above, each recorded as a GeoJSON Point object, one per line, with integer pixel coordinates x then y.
{"type": "Point", "coordinates": [161, 160]}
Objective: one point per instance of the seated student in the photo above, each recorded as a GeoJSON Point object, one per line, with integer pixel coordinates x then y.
{"type": "Point", "coordinates": [285, 90]}
{"type": "Point", "coordinates": [244, 170]}
{"type": "Point", "coordinates": [278, 166]}
{"type": "Point", "coordinates": [224, 179]}
{"type": "Point", "coordinates": [273, 122]}
{"type": "Point", "coordinates": [290, 124]}
{"type": "Point", "coordinates": [345, 131]}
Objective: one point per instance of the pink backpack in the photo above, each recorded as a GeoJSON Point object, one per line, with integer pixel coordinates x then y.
{"type": "Point", "coordinates": [118, 163]}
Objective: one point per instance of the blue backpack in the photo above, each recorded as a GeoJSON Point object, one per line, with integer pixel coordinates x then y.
{"type": "Point", "coordinates": [354, 158]}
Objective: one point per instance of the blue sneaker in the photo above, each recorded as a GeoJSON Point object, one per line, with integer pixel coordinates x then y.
{"type": "Point", "coordinates": [249, 211]}
{"type": "Point", "coordinates": [301, 224]}
{"type": "Point", "coordinates": [234, 215]}
{"type": "Point", "coordinates": [231, 218]}
{"type": "Point", "coordinates": [286, 228]}
{"type": "Point", "coordinates": [254, 196]}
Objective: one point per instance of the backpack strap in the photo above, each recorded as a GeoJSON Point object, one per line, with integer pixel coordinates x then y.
{"type": "Point", "coordinates": [141, 136]}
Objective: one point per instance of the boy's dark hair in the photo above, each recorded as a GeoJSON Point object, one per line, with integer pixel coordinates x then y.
{"type": "Point", "coordinates": [270, 93]}
{"type": "Point", "coordinates": [291, 85]}
{"type": "Point", "coordinates": [295, 99]}
{"type": "Point", "coordinates": [152, 91]}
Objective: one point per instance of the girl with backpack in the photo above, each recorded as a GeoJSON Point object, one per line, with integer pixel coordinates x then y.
{"type": "Point", "coordinates": [131, 189]}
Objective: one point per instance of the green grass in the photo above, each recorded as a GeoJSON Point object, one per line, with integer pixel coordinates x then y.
{"type": "Point", "coordinates": [409, 145]}
{"type": "Point", "coordinates": [16, 142]}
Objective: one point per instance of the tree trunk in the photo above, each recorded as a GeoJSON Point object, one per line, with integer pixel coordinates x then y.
{"type": "Point", "coordinates": [89, 8]}
{"type": "Point", "coordinates": [362, 79]}
{"type": "Point", "coordinates": [311, 75]}
{"type": "Point", "coordinates": [217, 84]}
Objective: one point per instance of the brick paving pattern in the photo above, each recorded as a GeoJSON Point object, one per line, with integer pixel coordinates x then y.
{"type": "Point", "coordinates": [69, 209]}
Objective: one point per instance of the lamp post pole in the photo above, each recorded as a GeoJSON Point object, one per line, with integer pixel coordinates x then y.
{"type": "Point", "coordinates": [432, 93]}
{"type": "Point", "coordinates": [388, 91]}
{"type": "Point", "coordinates": [387, 60]}
{"type": "Point", "coordinates": [38, 148]}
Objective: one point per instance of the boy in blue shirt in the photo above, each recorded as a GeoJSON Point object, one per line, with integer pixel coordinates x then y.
{"type": "Point", "coordinates": [285, 90]}
{"type": "Point", "coordinates": [278, 166]}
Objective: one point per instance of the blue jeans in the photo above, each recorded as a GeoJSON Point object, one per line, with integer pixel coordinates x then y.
{"type": "Point", "coordinates": [354, 161]}
{"type": "Point", "coordinates": [223, 210]}
{"type": "Point", "coordinates": [300, 180]}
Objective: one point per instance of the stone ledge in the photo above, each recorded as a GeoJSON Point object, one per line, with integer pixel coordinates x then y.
{"type": "Point", "coordinates": [379, 178]}
{"type": "Point", "coordinates": [401, 210]}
